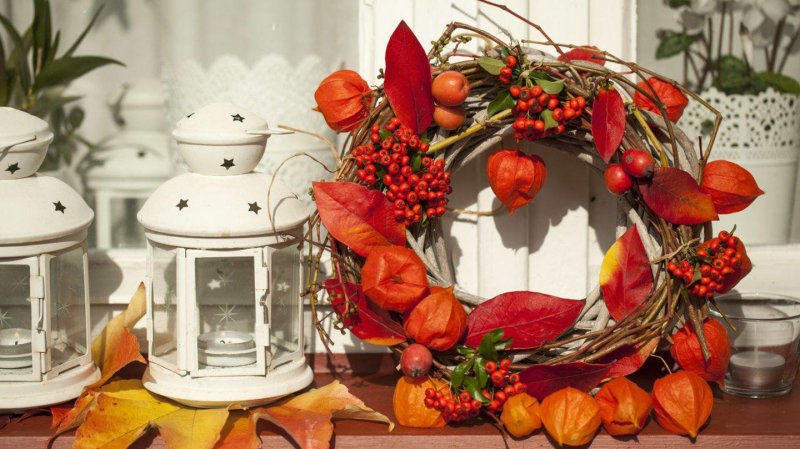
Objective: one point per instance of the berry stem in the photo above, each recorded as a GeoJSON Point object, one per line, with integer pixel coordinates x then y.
{"type": "Point", "coordinates": [651, 137]}
{"type": "Point", "coordinates": [474, 129]}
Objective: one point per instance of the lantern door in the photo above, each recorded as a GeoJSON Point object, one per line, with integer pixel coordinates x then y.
{"type": "Point", "coordinates": [22, 329]}
{"type": "Point", "coordinates": [66, 309]}
{"type": "Point", "coordinates": [285, 305]}
{"type": "Point", "coordinates": [228, 330]}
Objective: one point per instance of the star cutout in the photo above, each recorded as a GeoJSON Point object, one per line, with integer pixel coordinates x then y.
{"type": "Point", "coordinates": [60, 207]}
{"type": "Point", "coordinates": [182, 204]}
{"type": "Point", "coordinates": [224, 278]}
{"type": "Point", "coordinates": [227, 163]}
{"type": "Point", "coordinates": [254, 208]}
{"type": "Point", "coordinates": [62, 308]}
{"type": "Point", "coordinates": [141, 154]}
{"type": "Point", "coordinates": [4, 318]}
{"type": "Point", "coordinates": [214, 284]}
{"type": "Point", "coordinates": [283, 286]}
{"type": "Point", "coordinates": [227, 314]}
{"type": "Point", "coordinates": [238, 118]}
{"type": "Point", "coordinates": [13, 168]}
{"type": "Point", "coordinates": [190, 115]}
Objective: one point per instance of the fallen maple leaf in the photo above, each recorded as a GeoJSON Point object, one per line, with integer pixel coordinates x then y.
{"type": "Point", "coordinates": [116, 346]}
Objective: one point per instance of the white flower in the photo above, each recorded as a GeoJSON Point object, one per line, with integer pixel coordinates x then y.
{"type": "Point", "coordinates": [692, 22]}
{"type": "Point", "coordinates": [705, 7]}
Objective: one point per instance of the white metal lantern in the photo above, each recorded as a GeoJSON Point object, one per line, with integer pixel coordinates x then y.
{"type": "Point", "coordinates": [136, 162]}
{"type": "Point", "coordinates": [45, 355]}
{"type": "Point", "coordinates": [225, 317]}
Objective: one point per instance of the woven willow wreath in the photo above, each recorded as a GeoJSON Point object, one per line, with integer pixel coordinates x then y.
{"type": "Point", "coordinates": [659, 220]}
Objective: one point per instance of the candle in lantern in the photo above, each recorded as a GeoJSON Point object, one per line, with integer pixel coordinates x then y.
{"type": "Point", "coordinates": [226, 349]}
{"type": "Point", "coordinates": [15, 348]}
{"type": "Point", "coordinates": [757, 369]}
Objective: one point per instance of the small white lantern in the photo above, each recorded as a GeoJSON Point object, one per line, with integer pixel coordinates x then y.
{"type": "Point", "coordinates": [225, 317]}
{"type": "Point", "coordinates": [136, 162]}
{"type": "Point", "coordinates": [45, 352]}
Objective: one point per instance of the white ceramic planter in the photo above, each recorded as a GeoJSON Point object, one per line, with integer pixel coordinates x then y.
{"type": "Point", "coordinates": [762, 134]}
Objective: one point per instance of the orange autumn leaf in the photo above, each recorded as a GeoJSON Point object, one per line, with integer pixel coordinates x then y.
{"type": "Point", "coordinates": [570, 416]}
{"type": "Point", "coordinates": [438, 321]}
{"type": "Point", "coordinates": [123, 411]}
{"type": "Point", "coordinates": [116, 346]}
{"type": "Point", "coordinates": [515, 177]}
{"type": "Point", "coordinates": [239, 432]}
{"type": "Point", "coordinates": [731, 186]}
{"type": "Point", "coordinates": [307, 417]}
{"type": "Point", "coordinates": [624, 407]}
{"type": "Point", "coordinates": [521, 415]}
{"type": "Point", "coordinates": [682, 402]}
{"type": "Point", "coordinates": [409, 406]}
{"type": "Point", "coordinates": [394, 278]}
{"type": "Point", "coordinates": [686, 350]}
{"type": "Point", "coordinates": [343, 98]}
{"type": "Point", "coordinates": [674, 100]}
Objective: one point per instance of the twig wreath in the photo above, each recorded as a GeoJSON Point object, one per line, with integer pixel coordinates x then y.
{"type": "Point", "coordinates": [393, 282]}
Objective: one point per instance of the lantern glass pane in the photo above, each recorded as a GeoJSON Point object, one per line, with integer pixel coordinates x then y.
{"type": "Point", "coordinates": [165, 305]}
{"type": "Point", "coordinates": [67, 307]}
{"type": "Point", "coordinates": [285, 302]}
{"type": "Point", "coordinates": [225, 288]}
{"type": "Point", "coordinates": [125, 229]}
{"type": "Point", "coordinates": [16, 357]}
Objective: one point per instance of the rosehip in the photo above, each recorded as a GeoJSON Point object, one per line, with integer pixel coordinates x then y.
{"type": "Point", "coordinates": [450, 88]}
{"type": "Point", "coordinates": [617, 181]}
{"type": "Point", "coordinates": [638, 163]}
{"type": "Point", "coordinates": [416, 360]}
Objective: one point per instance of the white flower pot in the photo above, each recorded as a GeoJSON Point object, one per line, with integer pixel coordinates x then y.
{"type": "Point", "coordinates": [762, 134]}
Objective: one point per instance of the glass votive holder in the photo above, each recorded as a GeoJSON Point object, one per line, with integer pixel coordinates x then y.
{"type": "Point", "coordinates": [763, 330]}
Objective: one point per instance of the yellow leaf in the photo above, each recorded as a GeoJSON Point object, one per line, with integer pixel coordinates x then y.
{"type": "Point", "coordinates": [122, 415]}
{"type": "Point", "coordinates": [116, 346]}
{"type": "Point", "coordinates": [307, 417]}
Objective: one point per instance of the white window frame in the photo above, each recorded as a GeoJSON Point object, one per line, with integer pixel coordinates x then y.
{"type": "Point", "coordinates": [180, 343]}
{"type": "Point", "coordinates": [276, 363]}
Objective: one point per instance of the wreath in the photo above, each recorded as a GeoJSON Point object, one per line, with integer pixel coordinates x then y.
{"type": "Point", "coordinates": [392, 282]}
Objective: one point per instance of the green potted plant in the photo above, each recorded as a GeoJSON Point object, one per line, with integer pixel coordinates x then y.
{"type": "Point", "coordinates": [34, 77]}
{"type": "Point", "coordinates": [735, 52]}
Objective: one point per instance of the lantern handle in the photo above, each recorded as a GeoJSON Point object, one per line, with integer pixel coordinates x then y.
{"type": "Point", "coordinates": [18, 141]}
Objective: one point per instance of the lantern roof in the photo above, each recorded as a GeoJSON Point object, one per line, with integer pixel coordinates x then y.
{"type": "Point", "coordinates": [39, 208]}
{"type": "Point", "coordinates": [207, 206]}
{"type": "Point", "coordinates": [222, 124]}
{"type": "Point", "coordinates": [24, 139]}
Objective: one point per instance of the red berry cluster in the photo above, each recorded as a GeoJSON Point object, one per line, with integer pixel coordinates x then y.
{"type": "Point", "coordinates": [388, 163]}
{"type": "Point", "coordinates": [714, 262]}
{"type": "Point", "coordinates": [465, 406]}
{"type": "Point", "coordinates": [508, 70]}
{"type": "Point", "coordinates": [532, 101]}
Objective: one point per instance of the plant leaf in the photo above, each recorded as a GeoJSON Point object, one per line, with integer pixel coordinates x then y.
{"type": "Point", "coordinates": [371, 323]}
{"type": "Point", "coordinates": [503, 101]}
{"type": "Point", "coordinates": [357, 216]}
{"type": "Point", "coordinates": [675, 43]}
{"type": "Point", "coordinates": [549, 121]}
{"type": "Point", "coordinates": [239, 432]}
{"type": "Point", "coordinates": [551, 87]}
{"type": "Point", "coordinates": [20, 62]}
{"type": "Point", "coordinates": [608, 122]}
{"type": "Point", "coordinates": [542, 380]}
{"type": "Point", "coordinates": [491, 65]}
{"type": "Point", "coordinates": [628, 359]}
{"type": "Point", "coordinates": [71, 50]}
{"type": "Point", "coordinates": [674, 195]}
{"type": "Point", "coordinates": [586, 53]}
{"type": "Point", "coordinates": [63, 70]}
{"type": "Point", "coordinates": [307, 418]}
{"type": "Point", "coordinates": [116, 346]}
{"type": "Point", "coordinates": [407, 81]}
{"type": "Point", "coordinates": [625, 276]}
{"type": "Point", "coordinates": [42, 31]}
{"type": "Point", "coordinates": [530, 319]}
{"type": "Point", "coordinates": [780, 82]}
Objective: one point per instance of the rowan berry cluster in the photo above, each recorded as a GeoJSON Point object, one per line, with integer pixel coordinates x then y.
{"type": "Point", "coordinates": [395, 162]}
{"type": "Point", "coordinates": [712, 264]}
{"type": "Point", "coordinates": [465, 406]}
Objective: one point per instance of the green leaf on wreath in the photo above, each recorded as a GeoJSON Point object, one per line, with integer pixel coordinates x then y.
{"type": "Point", "coordinates": [550, 86]}
{"type": "Point", "coordinates": [480, 372]}
{"type": "Point", "coordinates": [491, 65]}
{"type": "Point", "coordinates": [549, 121]}
{"type": "Point", "coordinates": [675, 43]}
{"type": "Point", "coordinates": [457, 378]}
{"type": "Point", "coordinates": [503, 101]}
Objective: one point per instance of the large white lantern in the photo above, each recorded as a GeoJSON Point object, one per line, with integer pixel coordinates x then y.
{"type": "Point", "coordinates": [225, 318]}
{"type": "Point", "coordinates": [45, 353]}
{"type": "Point", "coordinates": [136, 161]}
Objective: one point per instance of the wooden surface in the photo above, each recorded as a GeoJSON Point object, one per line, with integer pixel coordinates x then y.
{"type": "Point", "coordinates": [735, 422]}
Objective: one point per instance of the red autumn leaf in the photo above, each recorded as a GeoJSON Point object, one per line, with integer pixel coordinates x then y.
{"type": "Point", "coordinates": [515, 177]}
{"type": "Point", "coordinates": [673, 99]}
{"type": "Point", "coordinates": [407, 80]}
{"type": "Point", "coordinates": [357, 216]}
{"type": "Point", "coordinates": [674, 195]}
{"type": "Point", "coordinates": [529, 318]}
{"type": "Point", "coordinates": [628, 359]}
{"type": "Point", "coordinates": [542, 380]}
{"type": "Point", "coordinates": [584, 53]}
{"type": "Point", "coordinates": [625, 276]}
{"type": "Point", "coordinates": [370, 323]}
{"type": "Point", "coordinates": [394, 278]}
{"type": "Point", "coordinates": [608, 122]}
{"type": "Point", "coordinates": [731, 186]}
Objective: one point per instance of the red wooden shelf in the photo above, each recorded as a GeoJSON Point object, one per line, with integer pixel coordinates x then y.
{"type": "Point", "coordinates": [735, 422]}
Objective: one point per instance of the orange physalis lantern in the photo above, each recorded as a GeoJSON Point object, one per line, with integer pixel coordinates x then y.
{"type": "Point", "coordinates": [732, 188]}
{"type": "Point", "coordinates": [515, 177]}
{"type": "Point", "coordinates": [521, 415]}
{"type": "Point", "coordinates": [570, 416]}
{"type": "Point", "coordinates": [394, 278]}
{"type": "Point", "coordinates": [409, 402]}
{"type": "Point", "coordinates": [344, 99]}
{"type": "Point", "coordinates": [686, 350]}
{"type": "Point", "coordinates": [682, 402]}
{"type": "Point", "coordinates": [438, 321]}
{"type": "Point", "coordinates": [674, 100]}
{"type": "Point", "coordinates": [624, 407]}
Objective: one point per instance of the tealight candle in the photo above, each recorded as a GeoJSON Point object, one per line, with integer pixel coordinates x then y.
{"type": "Point", "coordinates": [757, 369]}
{"type": "Point", "coordinates": [226, 349]}
{"type": "Point", "coordinates": [15, 348]}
